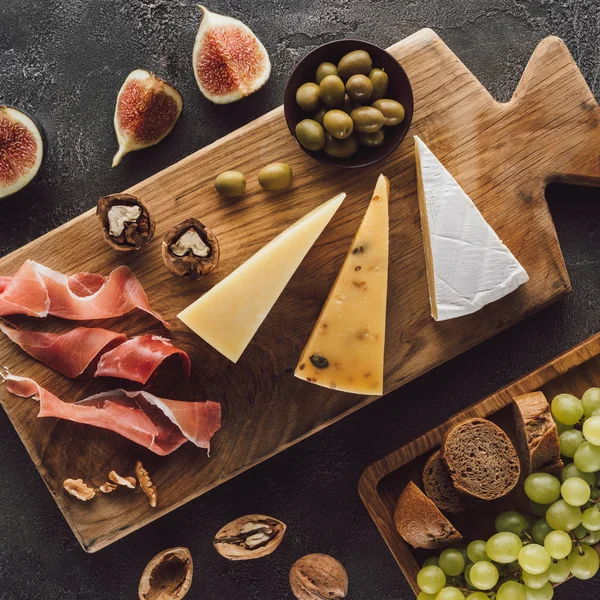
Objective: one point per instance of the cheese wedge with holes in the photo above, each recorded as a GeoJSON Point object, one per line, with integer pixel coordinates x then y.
{"type": "Point", "coordinates": [468, 266]}
{"type": "Point", "coordinates": [346, 348]}
{"type": "Point", "coordinates": [228, 315]}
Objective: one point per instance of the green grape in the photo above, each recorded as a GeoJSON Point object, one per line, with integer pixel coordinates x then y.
{"type": "Point", "coordinates": [567, 409]}
{"type": "Point", "coordinates": [579, 532]}
{"type": "Point", "coordinates": [431, 560]}
{"type": "Point", "coordinates": [478, 596]}
{"type": "Point", "coordinates": [558, 544]}
{"type": "Point", "coordinates": [596, 412]}
{"type": "Point", "coordinates": [542, 488]}
{"type": "Point", "coordinates": [534, 559]}
{"type": "Point", "coordinates": [452, 562]}
{"type": "Point", "coordinates": [462, 548]}
{"type": "Point", "coordinates": [426, 596]}
{"type": "Point", "coordinates": [591, 430]}
{"type": "Point", "coordinates": [535, 581]}
{"type": "Point", "coordinates": [583, 562]}
{"type": "Point", "coordinates": [512, 522]}
{"type": "Point", "coordinates": [450, 593]}
{"type": "Point", "coordinates": [546, 592]}
{"type": "Point", "coordinates": [570, 440]}
{"type": "Point", "coordinates": [590, 401]}
{"type": "Point", "coordinates": [587, 458]}
{"type": "Point", "coordinates": [539, 510]}
{"type": "Point", "coordinates": [476, 551]}
{"type": "Point", "coordinates": [559, 571]}
{"type": "Point", "coordinates": [540, 530]}
{"type": "Point", "coordinates": [503, 547]}
{"type": "Point", "coordinates": [467, 575]}
{"type": "Point", "coordinates": [484, 575]}
{"type": "Point", "coordinates": [575, 491]}
{"type": "Point", "coordinates": [431, 579]}
{"type": "Point", "coordinates": [571, 470]}
{"type": "Point", "coordinates": [561, 427]}
{"type": "Point", "coordinates": [591, 518]}
{"type": "Point", "coordinates": [511, 590]}
{"type": "Point", "coordinates": [591, 538]}
{"type": "Point", "coordinates": [563, 516]}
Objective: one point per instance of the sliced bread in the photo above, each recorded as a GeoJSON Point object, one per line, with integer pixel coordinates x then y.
{"type": "Point", "coordinates": [439, 487]}
{"type": "Point", "coordinates": [420, 522]}
{"type": "Point", "coordinates": [481, 459]}
{"type": "Point", "coordinates": [537, 434]}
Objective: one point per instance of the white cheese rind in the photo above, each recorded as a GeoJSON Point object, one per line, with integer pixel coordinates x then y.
{"type": "Point", "coordinates": [468, 265]}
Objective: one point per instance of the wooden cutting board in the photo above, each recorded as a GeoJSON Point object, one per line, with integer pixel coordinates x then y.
{"type": "Point", "coordinates": [502, 154]}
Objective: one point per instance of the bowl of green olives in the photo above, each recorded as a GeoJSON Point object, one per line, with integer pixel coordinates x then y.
{"type": "Point", "coordinates": [348, 103]}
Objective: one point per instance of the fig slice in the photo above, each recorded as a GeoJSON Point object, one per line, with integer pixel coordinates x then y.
{"type": "Point", "coordinates": [229, 61]}
{"type": "Point", "coordinates": [21, 150]}
{"type": "Point", "coordinates": [168, 576]}
{"type": "Point", "coordinates": [146, 111]}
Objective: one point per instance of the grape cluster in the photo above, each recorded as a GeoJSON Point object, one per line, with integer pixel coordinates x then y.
{"type": "Point", "coordinates": [529, 554]}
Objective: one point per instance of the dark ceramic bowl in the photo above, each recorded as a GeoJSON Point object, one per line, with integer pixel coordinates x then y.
{"type": "Point", "coordinates": [399, 89]}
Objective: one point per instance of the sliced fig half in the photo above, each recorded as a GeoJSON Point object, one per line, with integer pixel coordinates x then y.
{"type": "Point", "coordinates": [21, 150]}
{"type": "Point", "coordinates": [147, 109]}
{"type": "Point", "coordinates": [229, 61]}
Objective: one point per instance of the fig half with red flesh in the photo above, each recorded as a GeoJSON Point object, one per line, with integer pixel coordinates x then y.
{"type": "Point", "coordinates": [147, 109]}
{"type": "Point", "coordinates": [21, 150]}
{"type": "Point", "coordinates": [229, 61]}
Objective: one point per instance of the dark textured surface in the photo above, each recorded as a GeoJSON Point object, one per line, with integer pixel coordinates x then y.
{"type": "Point", "coordinates": [64, 60]}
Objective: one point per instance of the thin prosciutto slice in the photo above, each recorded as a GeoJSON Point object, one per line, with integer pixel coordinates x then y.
{"type": "Point", "coordinates": [137, 359]}
{"type": "Point", "coordinates": [36, 290]}
{"type": "Point", "coordinates": [157, 424]}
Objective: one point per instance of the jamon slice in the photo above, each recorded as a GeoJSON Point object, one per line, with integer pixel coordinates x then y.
{"type": "Point", "coordinates": [24, 293]}
{"type": "Point", "coordinates": [137, 359]}
{"type": "Point", "coordinates": [157, 424]}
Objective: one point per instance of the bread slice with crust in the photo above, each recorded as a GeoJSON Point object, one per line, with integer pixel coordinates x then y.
{"type": "Point", "coordinates": [481, 459]}
{"type": "Point", "coordinates": [537, 434]}
{"type": "Point", "coordinates": [420, 522]}
{"type": "Point", "coordinates": [439, 487]}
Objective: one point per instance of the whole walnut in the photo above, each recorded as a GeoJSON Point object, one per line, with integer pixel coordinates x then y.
{"type": "Point", "coordinates": [318, 576]}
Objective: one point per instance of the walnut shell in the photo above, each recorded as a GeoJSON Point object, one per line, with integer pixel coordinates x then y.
{"type": "Point", "coordinates": [191, 266]}
{"type": "Point", "coordinates": [168, 576]}
{"type": "Point", "coordinates": [318, 576]}
{"type": "Point", "coordinates": [136, 234]}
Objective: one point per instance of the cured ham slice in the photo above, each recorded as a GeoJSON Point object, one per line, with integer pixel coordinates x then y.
{"type": "Point", "coordinates": [157, 424]}
{"type": "Point", "coordinates": [137, 359]}
{"type": "Point", "coordinates": [36, 290]}
{"type": "Point", "coordinates": [69, 353]}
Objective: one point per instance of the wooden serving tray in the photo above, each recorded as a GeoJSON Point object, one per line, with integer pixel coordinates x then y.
{"type": "Point", "coordinates": [382, 482]}
{"type": "Point", "coordinates": [502, 154]}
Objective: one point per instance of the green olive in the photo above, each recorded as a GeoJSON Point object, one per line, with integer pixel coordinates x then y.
{"type": "Point", "coordinates": [379, 78]}
{"type": "Point", "coordinates": [276, 176]}
{"type": "Point", "coordinates": [359, 88]}
{"type": "Point", "coordinates": [310, 134]}
{"type": "Point", "coordinates": [371, 140]}
{"type": "Point", "coordinates": [341, 148]}
{"type": "Point", "coordinates": [348, 105]}
{"type": "Point", "coordinates": [332, 90]}
{"type": "Point", "coordinates": [367, 119]}
{"type": "Point", "coordinates": [307, 97]}
{"type": "Point", "coordinates": [325, 69]}
{"type": "Point", "coordinates": [230, 184]}
{"type": "Point", "coordinates": [392, 111]}
{"type": "Point", "coordinates": [357, 62]}
{"type": "Point", "coordinates": [338, 124]}
{"type": "Point", "coordinates": [318, 116]}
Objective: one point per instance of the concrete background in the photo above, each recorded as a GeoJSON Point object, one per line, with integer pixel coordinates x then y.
{"type": "Point", "coordinates": [64, 61]}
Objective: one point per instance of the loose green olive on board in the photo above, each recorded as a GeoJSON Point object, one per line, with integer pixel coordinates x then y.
{"type": "Point", "coordinates": [307, 97]}
{"type": "Point", "coordinates": [380, 80]}
{"type": "Point", "coordinates": [367, 119]}
{"type": "Point", "coordinates": [392, 111]}
{"type": "Point", "coordinates": [230, 184]}
{"type": "Point", "coordinates": [276, 176]}
{"type": "Point", "coordinates": [359, 88]}
{"type": "Point", "coordinates": [338, 124]}
{"type": "Point", "coordinates": [325, 69]}
{"type": "Point", "coordinates": [341, 148]}
{"type": "Point", "coordinates": [371, 140]}
{"type": "Point", "coordinates": [318, 116]}
{"type": "Point", "coordinates": [310, 134]}
{"type": "Point", "coordinates": [332, 90]}
{"type": "Point", "coordinates": [357, 62]}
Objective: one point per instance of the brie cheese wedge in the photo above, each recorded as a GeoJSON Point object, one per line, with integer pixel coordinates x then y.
{"type": "Point", "coordinates": [468, 266]}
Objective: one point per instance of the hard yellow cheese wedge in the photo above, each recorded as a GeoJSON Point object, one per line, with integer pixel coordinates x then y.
{"type": "Point", "coordinates": [346, 348]}
{"type": "Point", "coordinates": [228, 316]}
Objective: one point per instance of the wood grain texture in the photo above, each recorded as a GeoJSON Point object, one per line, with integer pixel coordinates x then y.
{"type": "Point", "coordinates": [502, 154]}
{"type": "Point", "coordinates": [383, 481]}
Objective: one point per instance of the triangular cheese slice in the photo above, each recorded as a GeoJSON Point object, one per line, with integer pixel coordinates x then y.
{"type": "Point", "coordinates": [228, 316]}
{"type": "Point", "coordinates": [345, 350]}
{"type": "Point", "coordinates": [468, 266]}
